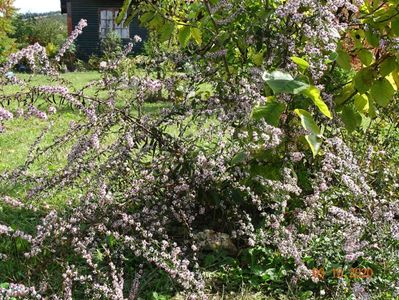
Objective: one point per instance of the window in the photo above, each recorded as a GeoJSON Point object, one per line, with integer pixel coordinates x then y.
{"type": "Point", "coordinates": [108, 24]}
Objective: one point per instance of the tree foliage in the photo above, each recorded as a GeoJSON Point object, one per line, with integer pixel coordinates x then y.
{"type": "Point", "coordinates": [247, 177]}
{"type": "Point", "coordinates": [6, 13]}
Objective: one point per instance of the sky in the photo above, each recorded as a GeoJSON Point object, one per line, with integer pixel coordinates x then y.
{"type": "Point", "coordinates": [37, 6]}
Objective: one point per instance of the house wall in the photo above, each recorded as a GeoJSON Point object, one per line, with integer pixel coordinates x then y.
{"type": "Point", "coordinates": [89, 42]}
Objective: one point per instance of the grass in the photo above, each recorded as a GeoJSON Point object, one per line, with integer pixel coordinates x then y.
{"type": "Point", "coordinates": [16, 141]}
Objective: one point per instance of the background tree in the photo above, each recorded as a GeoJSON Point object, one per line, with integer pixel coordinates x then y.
{"type": "Point", "coordinates": [7, 44]}
{"type": "Point", "coordinates": [49, 30]}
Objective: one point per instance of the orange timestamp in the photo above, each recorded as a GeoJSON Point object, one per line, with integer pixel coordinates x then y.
{"type": "Point", "coordinates": [355, 273]}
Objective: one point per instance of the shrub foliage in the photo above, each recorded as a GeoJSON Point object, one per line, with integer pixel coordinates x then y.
{"type": "Point", "coordinates": [278, 151]}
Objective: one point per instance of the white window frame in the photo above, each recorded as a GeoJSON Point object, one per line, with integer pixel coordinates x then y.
{"type": "Point", "coordinates": [107, 17]}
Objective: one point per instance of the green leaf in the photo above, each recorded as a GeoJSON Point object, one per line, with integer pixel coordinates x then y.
{"type": "Point", "coordinates": [363, 80]}
{"type": "Point", "coordinates": [372, 38]}
{"type": "Point", "coordinates": [239, 158]}
{"type": "Point", "coordinates": [205, 90]}
{"type": "Point", "coordinates": [314, 93]}
{"type": "Point", "coordinates": [123, 12]}
{"type": "Point", "coordinates": [388, 66]}
{"type": "Point", "coordinates": [395, 77]}
{"type": "Point", "coordinates": [129, 18]}
{"type": "Point", "coordinates": [4, 285]}
{"type": "Point", "coordinates": [382, 92]}
{"type": "Point", "coordinates": [197, 35]}
{"type": "Point", "coordinates": [308, 122]}
{"type": "Point", "coordinates": [257, 58]}
{"type": "Point", "coordinates": [314, 137]}
{"type": "Point", "coordinates": [146, 17]}
{"type": "Point", "coordinates": [166, 31]}
{"type": "Point", "coordinates": [344, 60]}
{"type": "Point", "coordinates": [303, 64]}
{"type": "Point", "coordinates": [315, 143]}
{"type": "Point", "coordinates": [362, 103]}
{"type": "Point", "coordinates": [281, 82]}
{"type": "Point", "coordinates": [351, 118]}
{"type": "Point", "coordinates": [395, 25]}
{"type": "Point", "coordinates": [184, 36]}
{"type": "Point", "coordinates": [366, 57]}
{"type": "Point", "coordinates": [333, 56]}
{"type": "Point", "coordinates": [373, 112]}
{"type": "Point", "coordinates": [99, 256]}
{"type": "Point", "coordinates": [157, 22]}
{"type": "Point", "coordinates": [345, 94]}
{"type": "Point", "coordinates": [270, 112]}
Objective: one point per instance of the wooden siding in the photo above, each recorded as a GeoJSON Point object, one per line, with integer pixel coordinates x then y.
{"type": "Point", "coordinates": [63, 6]}
{"type": "Point", "coordinates": [89, 42]}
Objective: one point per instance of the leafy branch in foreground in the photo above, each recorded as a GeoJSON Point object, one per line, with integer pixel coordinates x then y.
{"type": "Point", "coordinates": [225, 167]}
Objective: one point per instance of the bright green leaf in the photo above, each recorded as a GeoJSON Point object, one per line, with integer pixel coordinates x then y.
{"type": "Point", "coordinates": [314, 137]}
{"type": "Point", "coordinates": [257, 58]}
{"type": "Point", "coordinates": [362, 103]}
{"type": "Point", "coordinates": [184, 36]}
{"type": "Point", "coordinates": [205, 90]}
{"type": "Point", "coordinates": [146, 17]}
{"type": "Point", "coordinates": [123, 12]}
{"type": "Point", "coordinates": [347, 92]}
{"type": "Point", "coordinates": [281, 82]}
{"type": "Point", "coordinates": [395, 77]}
{"type": "Point", "coordinates": [197, 35]}
{"type": "Point", "coordinates": [382, 92]}
{"type": "Point", "coordinates": [373, 112]}
{"type": "Point", "coordinates": [315, 143]}
{"type": "Point", "coordinates": [308, 122]}
{"type": "Point", "coordinates": [314, 93]}
{"type": "Point", "coordinates": [156, 22]}
{"type": "Point", "coordinates": [303, 64]}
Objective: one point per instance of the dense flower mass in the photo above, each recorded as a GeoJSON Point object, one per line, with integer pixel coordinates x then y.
{"type": "Point", "coordinates": [235, 163]}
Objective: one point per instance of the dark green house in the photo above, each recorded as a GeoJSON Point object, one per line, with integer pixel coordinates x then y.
{"type": "Point", "coordinates": [100, 16]}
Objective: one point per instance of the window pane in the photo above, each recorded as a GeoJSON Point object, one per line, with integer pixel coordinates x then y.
{"type": "Point", "coordinates": [110, 24]}
{"type": "Point", "coordinates": [103, 24]}
{"type": "Point", "coordinates": [125, 33]}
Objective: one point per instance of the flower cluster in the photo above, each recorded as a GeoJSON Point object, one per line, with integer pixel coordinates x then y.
{"type": "Point", "coordinates": [203, 174]}
{"type": "Point", "coordinates": [74, 35]}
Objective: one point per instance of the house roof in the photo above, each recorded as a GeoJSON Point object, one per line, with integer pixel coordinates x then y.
{"type": "Point", "coordinates": [63, 6]}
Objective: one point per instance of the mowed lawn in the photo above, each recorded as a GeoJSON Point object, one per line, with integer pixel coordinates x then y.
{"type": "Point", "coordinates": [20, 133]}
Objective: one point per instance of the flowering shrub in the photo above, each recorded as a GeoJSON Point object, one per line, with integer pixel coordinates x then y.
{"type": "Point", "coordinates": [227, 167]}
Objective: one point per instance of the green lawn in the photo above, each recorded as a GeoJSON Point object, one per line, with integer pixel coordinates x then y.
{"type": "Point", "coordinates": [20, 134]}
